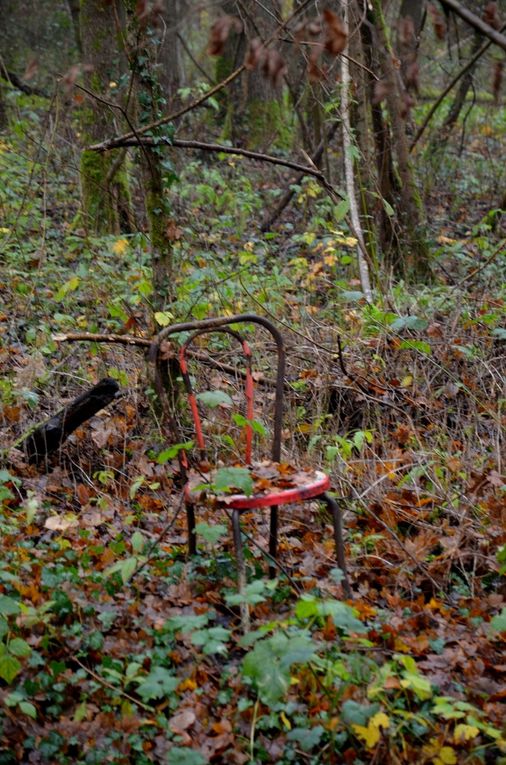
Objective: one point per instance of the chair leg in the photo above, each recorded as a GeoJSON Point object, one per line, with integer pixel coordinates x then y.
{"type": "Point", "coordinates": [241, 570]}
{"type": "Point", "coordinates": [192, 536]}
{"type": "Point", "coordinates": [273, 541]}
{"type": "Point", "coordinates": [338, 539]}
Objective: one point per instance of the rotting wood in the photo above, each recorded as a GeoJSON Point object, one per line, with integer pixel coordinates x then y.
{"type": "Point", "coordinates": [51, 434]}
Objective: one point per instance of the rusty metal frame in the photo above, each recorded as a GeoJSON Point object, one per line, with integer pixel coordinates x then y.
{"type": "Point", "coordinates": [208, 325]}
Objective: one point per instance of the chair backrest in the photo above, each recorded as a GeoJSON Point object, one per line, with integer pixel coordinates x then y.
{"type": "Point", "coordinates": [223, 325]}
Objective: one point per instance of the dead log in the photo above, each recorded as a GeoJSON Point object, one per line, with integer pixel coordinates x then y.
{"type": "Point", "coordinates": [51, 434]}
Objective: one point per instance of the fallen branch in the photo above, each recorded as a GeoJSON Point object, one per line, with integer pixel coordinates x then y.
{"type": "Point", "coordinates": [221, 149]}
{"type": "Point", "coordinates": [142, 342]}
{"type": "Point", "coordinates": [50, 435]}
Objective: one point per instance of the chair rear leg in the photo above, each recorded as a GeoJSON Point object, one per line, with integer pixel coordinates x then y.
{"type": "Point", "coordinates": [337, 521]}
{"type": "Point", "coordinates": [192, 535]}
{"type": "Point", "coordinates": [273, 541]}
{"type": "Point", "coordinates": [241, 570]}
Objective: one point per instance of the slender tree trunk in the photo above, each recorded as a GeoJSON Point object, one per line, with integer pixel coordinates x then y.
{"type": "Point", "coordinates": [409, 26]}
{"type": "Point", "coordinates": [460, 97]}
{"type": "Point", "coordinates": [387, 180]}
{"type": "Point", "coordinates": [146, 36]}
{"type": "Point", "coordinates": [169, 52]}
{"type": "Point", "coordinates": [409, 207]}
{"type": "Point", "coordinates": [104, 180]}
{"type": "Point", "coordinates": [75, 10]}
{"type": "Point", "coordinates": [253, 109]}
{"type": "Point", "coordinates": [363, 267]}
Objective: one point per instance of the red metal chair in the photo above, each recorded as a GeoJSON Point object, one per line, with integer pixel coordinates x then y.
{"type": "Point", "coordinates": [298, 486]}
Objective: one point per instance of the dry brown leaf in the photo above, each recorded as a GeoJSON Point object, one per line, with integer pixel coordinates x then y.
{"type": "Point", "coordinates": [182, 720]}
{"type": "Point", "coordinates": [220, 32]}
{"type": "Point", "coordinates": [438, 21]}
{"type": "Point", "coordinates": [61, 522]}
{"type": "Point", "coordinates": [336, 35]}
{"type": "Point", "coordinates": [491, 16]}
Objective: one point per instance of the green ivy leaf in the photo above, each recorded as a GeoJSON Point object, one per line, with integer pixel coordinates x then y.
{"type": "Point", "coordinates": [9, 606]}
{"type": "Point", "coordinates": [353, 713]}
{"type": "Point", "coordinates": [307, 738]}
{"type": "Point", "coordinates": [213, 398]}
{"type": "Point", "coordinates": [268, 664]}
{"type": "Point", "coordinates": [212, 640]}
{"type": "Point", "coordinates": [229, 479]}
{"type": "Point", "coordinates": [416, 345]}
{"type": "Point", "coordinates": [19, 647]}
{"type": "Point", "coordinates": [211, 534]}
{"type": "Point", "coordinates": [137, 542]}
{"type": "Point", "coordinates": [160, 683]}
{"type": "Point", "coordinates": [9, 667]}
{"type": "Point", "coordinates": [125, 567]}
{"type": "Point", "coordinates": [409, 322]}
{"type": "Point", "coordinates": [182, 755]}
{"type": "Point", "coordinates": [28, 709]}
{"type": "Point", "coordinates": [341, 210]}
{"type": "Point", "coordinates": [256, 592]}
{"type": "Point", "coordinates": [343, 615]}
{"type": "Point", "coordinates": [172, 452]}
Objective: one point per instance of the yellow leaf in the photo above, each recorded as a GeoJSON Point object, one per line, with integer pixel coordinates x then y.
{"type": "Point", "coordinates": [464, 732]}
{"type": "Point", "coordinates": [380, 720]}
{"type": "Point", "coordinates": [349, 241]}
{"type": "Point", "coordinates": [371, 735]}
{"type": "Point", "coordinates": [407, 381]}
{"type": "Point", "coordinates": [446, 756]}
{"type": "Point", "coordinates": [286, 722]}
{"type": "Point", "coordinates": [120, 246]}
{"type": "Point", "coordinates": [163, 318]}
{"type": "Point", "coordinates": [330, 260]}
{"type": "Point", "coordinates": [187, 685]}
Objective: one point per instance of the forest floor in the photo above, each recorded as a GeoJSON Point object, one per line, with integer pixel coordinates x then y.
{"type": "Point", "coordinates": [114, 645]}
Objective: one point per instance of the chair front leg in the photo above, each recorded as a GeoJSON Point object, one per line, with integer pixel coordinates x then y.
{"type": "Point", "coordinates": [337, 522]}
{"type": "Point", "coordinates": [273, 541]}
{"type": "Point", "coordinates": [241, 569]}
{"type": "Point", "coordinates": [192, 535]}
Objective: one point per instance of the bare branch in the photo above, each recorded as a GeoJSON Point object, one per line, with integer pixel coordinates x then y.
{"type": "Point", "coordinates": [435, 106]}
{"type": "Point", "coordinates": [475, 22]}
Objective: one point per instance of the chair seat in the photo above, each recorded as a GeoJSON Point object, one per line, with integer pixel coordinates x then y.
{"type": "Point", "coordinates": [274, 483]}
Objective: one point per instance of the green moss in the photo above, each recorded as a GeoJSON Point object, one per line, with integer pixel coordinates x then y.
{"type": "Point", "coordinates": [106, 206]}
{"type": "Point", "coordinates": [267, 124]}
{"type": "Point", "coordinates": [97, 203]}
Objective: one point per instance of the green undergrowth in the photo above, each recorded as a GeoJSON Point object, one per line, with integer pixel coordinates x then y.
{"type": "Point", "coordinates": [114, 646]}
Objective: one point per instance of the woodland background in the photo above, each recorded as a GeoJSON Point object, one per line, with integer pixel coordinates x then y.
{"type": "Point", "coordinates": [338, 168]}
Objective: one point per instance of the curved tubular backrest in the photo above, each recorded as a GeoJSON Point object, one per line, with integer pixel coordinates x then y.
{"type": "Point", "coordinates": [248, 388]}
{"type": "Point", "coordinates": [208, 324]}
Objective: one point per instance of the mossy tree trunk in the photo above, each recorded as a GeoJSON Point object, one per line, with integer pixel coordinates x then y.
{"type": "Point", "coordinates": [253, 109]}
{"type": "Point", "coordinates": [104, 179]}
{"type": "Point", "coordinates": [408, 208]}
{"type": "Point", "coordinates": [151, 82]}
